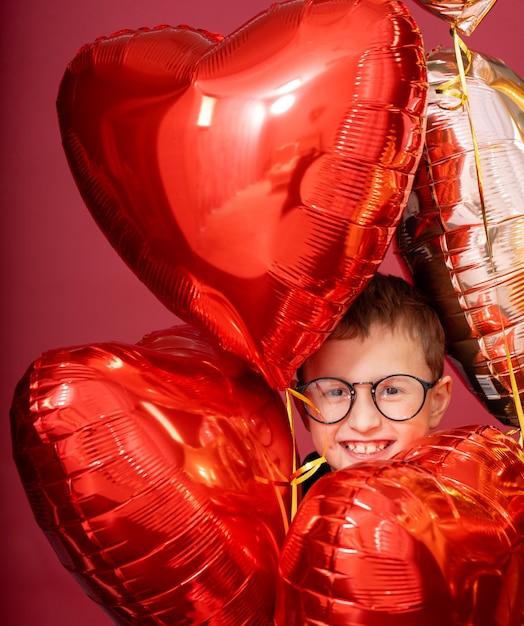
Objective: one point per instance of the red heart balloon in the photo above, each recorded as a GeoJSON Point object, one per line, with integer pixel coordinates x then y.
{"type": "Point", "coordinates": [252, 182]}
{"type": "Point", "coordinates": [153, 471]}
{"type": "Point", "coordinates": [435, 537]}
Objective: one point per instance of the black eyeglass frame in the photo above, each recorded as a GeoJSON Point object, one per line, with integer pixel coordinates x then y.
{"type": "Point", "coordinates": [352, 391]}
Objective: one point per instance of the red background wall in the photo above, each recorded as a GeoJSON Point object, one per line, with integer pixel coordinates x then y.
{"type": "Point", "coordinates": [62, 284]}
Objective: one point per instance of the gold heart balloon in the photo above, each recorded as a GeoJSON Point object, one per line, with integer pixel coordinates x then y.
{"type": "Point", "coordinates": [466, 15]}
{"type": "Point", "coordinates": [464, 248]}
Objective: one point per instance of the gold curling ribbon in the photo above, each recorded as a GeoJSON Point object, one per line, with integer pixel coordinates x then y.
{"type": "Point", "coordinates": [294, 490]}
{"type": "Point", "coordinates": [301, 474]}
{"type": "Point", "coordinates": [298, 476]}
{"type": "Point", "coordinates": [457, 87]}
{"type": "Point", "coordinates": [283, 482]}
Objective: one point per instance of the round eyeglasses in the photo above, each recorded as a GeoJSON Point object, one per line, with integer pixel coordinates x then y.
{"type": "Point", "coordinates": [398, 397]}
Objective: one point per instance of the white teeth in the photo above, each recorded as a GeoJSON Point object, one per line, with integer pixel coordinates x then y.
{"type": "Point", "coordinates": [365, 448]}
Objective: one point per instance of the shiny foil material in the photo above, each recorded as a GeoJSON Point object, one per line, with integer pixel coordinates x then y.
{"type": "Point", "coordinates": [435, 537]}
{"type": "Point", "coordinates": [466, 15]}
{"type": "Point", "coordinates": [475, 280]}
{"type": "Point", "coordinates": [253, 182]}
{"type": "Point", "coordinates": [156, 472]}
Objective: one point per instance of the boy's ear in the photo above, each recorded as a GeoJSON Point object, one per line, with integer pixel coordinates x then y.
{"type": "Point", "coordinates": [300, 408]}
{"type": "Point", "coordinates": [440, 399]}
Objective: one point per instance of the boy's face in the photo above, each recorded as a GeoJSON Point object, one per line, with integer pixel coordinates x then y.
{"type": "Point", "coordinates": [365, 434]}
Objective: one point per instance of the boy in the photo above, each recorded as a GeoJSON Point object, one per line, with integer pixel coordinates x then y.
{"type": "Point", "coordinates": [377, 383]}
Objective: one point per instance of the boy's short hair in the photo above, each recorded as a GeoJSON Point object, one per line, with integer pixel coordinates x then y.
{"type": "Point", "coordinates": [392, 302]}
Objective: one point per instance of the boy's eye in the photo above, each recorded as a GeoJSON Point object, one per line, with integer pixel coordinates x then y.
{"type": "Point", "coordinates": [397, 387]}
{"type": "Point", "coordinates": [390, 391]}
{"type": "Point", "coordinates": [328, 390]}
{"type": "Point", "coordinates": [336, 392]}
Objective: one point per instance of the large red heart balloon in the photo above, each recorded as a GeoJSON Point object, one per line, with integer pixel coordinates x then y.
{"type": "Point", "coordinates": [434, 537]}
{"type": "Point", "coordinates": [154, 471]}
{"type": "Point", "coordinates": [252, 182]}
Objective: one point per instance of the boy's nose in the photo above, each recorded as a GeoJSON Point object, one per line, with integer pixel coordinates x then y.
{"type": "Point", "coordinates": [364, 415]}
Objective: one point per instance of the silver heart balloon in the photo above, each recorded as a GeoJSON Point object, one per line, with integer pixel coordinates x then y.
{"type": "Point", "coordinates": [473, 274]}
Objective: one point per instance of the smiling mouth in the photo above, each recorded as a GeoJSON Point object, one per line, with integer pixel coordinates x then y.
{"type": "Point", "coordinates": [364, 448]}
